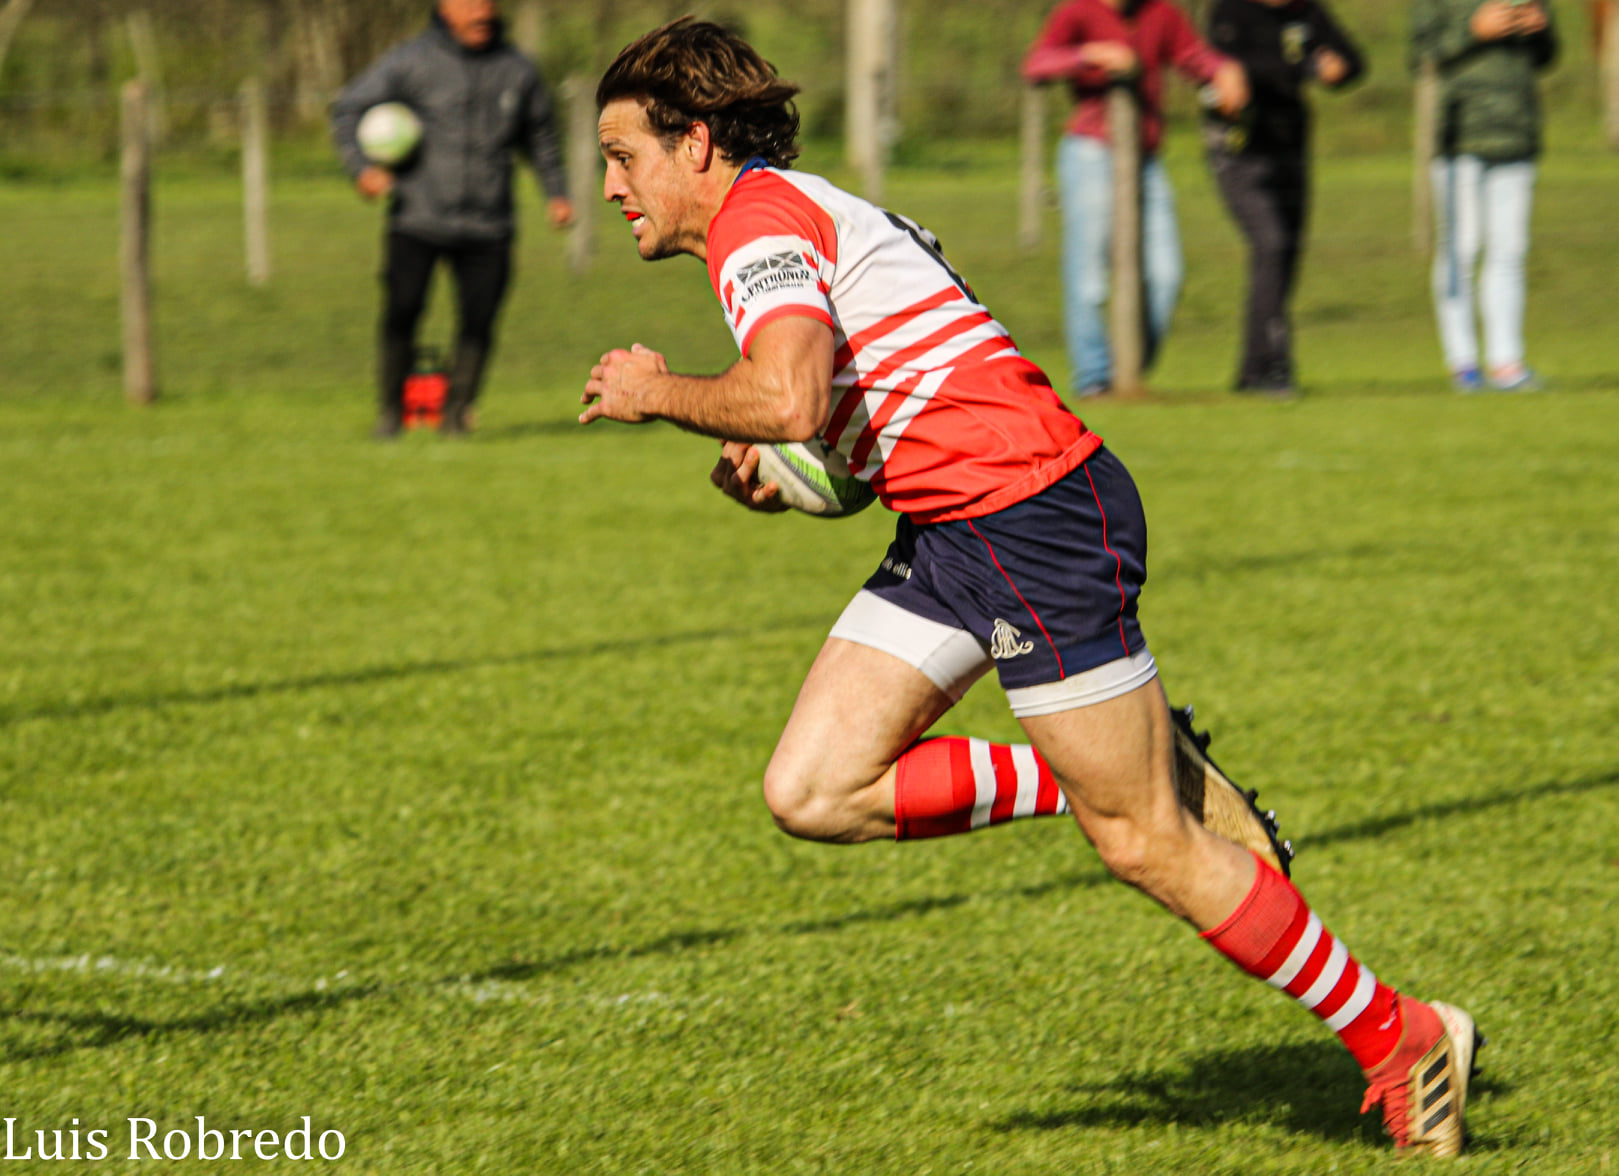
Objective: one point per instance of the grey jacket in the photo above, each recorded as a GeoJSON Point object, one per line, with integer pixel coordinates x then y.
{"type": "Point", "coordinates": [476, 107]}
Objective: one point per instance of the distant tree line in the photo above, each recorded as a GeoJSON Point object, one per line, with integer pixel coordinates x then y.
{"type": "Point", "coordinates": [958, 58]}
{"type": "Point", "coordinates": [62, 60]}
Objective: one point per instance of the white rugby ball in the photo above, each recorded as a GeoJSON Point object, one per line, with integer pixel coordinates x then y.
{"type": "Point", "coordinates": [814, 478]}
{"type": "Point", "coordinates": [388, 133]}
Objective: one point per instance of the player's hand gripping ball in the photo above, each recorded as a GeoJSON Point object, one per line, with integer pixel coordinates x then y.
{"type": "Point", "coordinates": [814, 478]}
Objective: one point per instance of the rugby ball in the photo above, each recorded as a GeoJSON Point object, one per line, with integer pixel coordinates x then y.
{"type": "Point", "coordinates": [814, 478]}
{"type": "Point", "coordinates": [388, 133]}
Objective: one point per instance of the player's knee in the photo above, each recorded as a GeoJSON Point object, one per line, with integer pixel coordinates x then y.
{"type": "Point", "coordinates": [1136, 853]}
{"type": "Point", "coordinates": [789, 801]}
{"type": "Point", "coordinates": [1126, 854]}
{"type": "Point", "coordinates": [799, 809]}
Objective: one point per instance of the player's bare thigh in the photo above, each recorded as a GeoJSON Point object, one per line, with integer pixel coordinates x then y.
{"type": "Point", "coordinates": [832, 775]}
{"type": "Point", "coordinates": [1114, 761]}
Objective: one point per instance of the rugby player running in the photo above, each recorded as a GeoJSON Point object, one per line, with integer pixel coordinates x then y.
{"type": "Point", "coordinates": [1020, 543]}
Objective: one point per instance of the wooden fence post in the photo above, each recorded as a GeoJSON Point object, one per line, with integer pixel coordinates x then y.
{"type": "Point", "coordinates": [317, 57]}
{"type": "Point", "coordinates": [1031, 166]}
{"type": "Point", "coordinates": [1610, 72]}
{"type": "Point", "coordinates": [1128, 319]}
{"type": "Point", "coordinates": [149, 68]}
{"type": "Point", "coordinates": [140, 382]}
{"type": "Point", "coordinates": [1425, 130]}
{"type": "Point", "coordinates": [869, 62]}
{"type": "Point", "coordinates": [11, 14]}
{"type": "Point", "coordinates": [583, 153]}
{"type": "Point", "coordinates": [256, 181]}
{"type": "Point", "coordinates": [528, 29]}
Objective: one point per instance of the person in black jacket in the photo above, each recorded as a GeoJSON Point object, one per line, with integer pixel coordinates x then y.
{"type": "Point", "coordinates": [478, 99]}
{"type": "Point", "coordinates": [1261, 160]}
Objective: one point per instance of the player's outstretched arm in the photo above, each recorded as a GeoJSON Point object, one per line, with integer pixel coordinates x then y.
{"type": "Point", "coordinates": [781, 390]}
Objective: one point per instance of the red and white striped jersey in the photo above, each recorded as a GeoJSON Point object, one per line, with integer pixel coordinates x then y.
{"type": "Point", "coordinates": [932, 402]}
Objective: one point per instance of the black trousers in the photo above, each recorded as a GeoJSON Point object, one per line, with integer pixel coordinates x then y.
{"type": "Point", "coordinates": [482, 272]}
{"type": "Point", "coordinates": [1268, 196]}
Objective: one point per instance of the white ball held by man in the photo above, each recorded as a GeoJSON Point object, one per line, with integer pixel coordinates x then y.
{"type": "Point", "coordinates": [388, 133]}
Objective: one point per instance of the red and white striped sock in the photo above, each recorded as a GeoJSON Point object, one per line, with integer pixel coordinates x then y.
{"type": "Point", "coordinates": [1275, 936]}
{"type": "Point", "coordinates": [954, 785]}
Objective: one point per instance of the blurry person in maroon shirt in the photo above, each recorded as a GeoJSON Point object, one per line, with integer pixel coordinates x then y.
{"type": "Point", "coordinates": [1093, 45]}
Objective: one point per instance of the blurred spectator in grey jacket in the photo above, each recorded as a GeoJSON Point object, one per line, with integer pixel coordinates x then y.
{"type": "Point", "coordinates": [478, 100]}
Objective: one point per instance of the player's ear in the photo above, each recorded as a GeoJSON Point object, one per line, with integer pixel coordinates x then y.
{"type": "Point", "coordinates": [698, 146]}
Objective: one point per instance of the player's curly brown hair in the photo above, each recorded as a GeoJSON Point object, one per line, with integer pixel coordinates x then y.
{"type": "Point", "coordinates": [693, 70]}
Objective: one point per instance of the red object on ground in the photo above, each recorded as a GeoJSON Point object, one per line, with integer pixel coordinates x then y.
{"type": "Point", "coordinates": [425, 391]}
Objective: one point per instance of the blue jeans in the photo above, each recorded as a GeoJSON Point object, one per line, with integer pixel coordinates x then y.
{"type": "Point", "coordinates": [1479, 204]}
{"type": "Point", "coordinates": [1085, 179]}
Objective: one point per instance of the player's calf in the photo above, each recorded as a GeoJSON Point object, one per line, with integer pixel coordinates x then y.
{"type": "Point", "coordinates": [954, 784]}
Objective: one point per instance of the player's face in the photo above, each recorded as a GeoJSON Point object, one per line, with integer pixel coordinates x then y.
{"type": "Point", "coordinates": [653, 185]}
{"type": "Point", "coordinates": [471, 22]}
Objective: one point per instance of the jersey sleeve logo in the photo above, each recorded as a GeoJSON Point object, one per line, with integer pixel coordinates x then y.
{"type": "Point", "coordinates": [772, 273]}
{"type": "Point", "coordinates": [770, 276]}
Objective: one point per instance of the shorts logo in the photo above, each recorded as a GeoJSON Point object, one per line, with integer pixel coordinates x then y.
{"type": "Point", "coordinates": [1006, 641]}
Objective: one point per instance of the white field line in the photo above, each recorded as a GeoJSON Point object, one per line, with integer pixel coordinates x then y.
{"type": "Point", "coordinates": [109, 965]}
{"type": "Point", "coordinates": [463, 988]}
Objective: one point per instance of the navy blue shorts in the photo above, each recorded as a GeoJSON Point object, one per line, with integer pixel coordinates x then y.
{"type": "Point", "coordinates": [1047, 588]}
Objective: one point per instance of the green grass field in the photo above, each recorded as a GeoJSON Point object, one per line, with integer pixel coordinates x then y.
{"type": "Point", "coordinates": [413, 788]}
